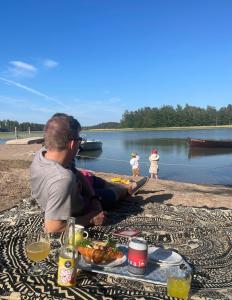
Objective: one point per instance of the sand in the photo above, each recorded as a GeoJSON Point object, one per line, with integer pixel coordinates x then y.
{"type": "Point", "coordinates": [14, 183]}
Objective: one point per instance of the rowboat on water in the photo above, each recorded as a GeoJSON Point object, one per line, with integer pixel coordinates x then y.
{"type": "Point", "coordinates": [90, 144]}
{"type": "Point", "coordinates": [210, 143]}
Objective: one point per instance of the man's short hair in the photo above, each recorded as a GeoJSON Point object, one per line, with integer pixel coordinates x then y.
{"type": "Point", "coordinates": [60, 129]}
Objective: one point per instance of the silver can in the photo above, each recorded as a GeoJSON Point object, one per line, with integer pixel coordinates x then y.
{"type": "Point", "coordinates": [137, 256]}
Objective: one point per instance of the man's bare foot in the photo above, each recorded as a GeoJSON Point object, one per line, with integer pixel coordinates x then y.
{"type": "Point", "coordinates": [131, 187]}
{"type": "Point", "coordinates": [136, 186]}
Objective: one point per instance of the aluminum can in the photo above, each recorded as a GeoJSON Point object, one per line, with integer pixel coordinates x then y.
{"type": "Point", "coordinates": [137, 256]}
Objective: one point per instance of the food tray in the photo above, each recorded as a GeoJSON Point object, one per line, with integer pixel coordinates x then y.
{"type": "Point", "coordinates": [155, 273]}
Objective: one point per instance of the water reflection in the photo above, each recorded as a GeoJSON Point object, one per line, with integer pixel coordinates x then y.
{"type": "Point", "coordinates": [147, 144]}
{"type": "Point", "coordinates": [199, 151]}
{"type": "Point", "coordinates": [154, 142]}
{"type": "Point", "coordinates": [89, 155]}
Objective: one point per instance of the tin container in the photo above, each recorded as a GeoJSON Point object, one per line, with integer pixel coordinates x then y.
{"type": "Point", "coordinates": [137, 256]}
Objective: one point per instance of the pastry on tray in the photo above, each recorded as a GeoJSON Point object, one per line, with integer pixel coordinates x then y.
{"type": "Point", "coordinates": [99, 252]}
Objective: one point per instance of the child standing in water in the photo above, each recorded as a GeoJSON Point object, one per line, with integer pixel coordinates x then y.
{"type": "Point", "coordinates": [154, 157]}
{"type": "Point", "coordinates": [134, 162]}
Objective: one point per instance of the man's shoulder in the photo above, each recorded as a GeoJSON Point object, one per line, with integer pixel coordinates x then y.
{"type": "Point", "coordinates": [49, 168]}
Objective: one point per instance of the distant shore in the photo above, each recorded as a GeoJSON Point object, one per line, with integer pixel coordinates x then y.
{"type": "Point", "coordinates": [14, 181]}
{"type": "Point", "coordinates": [162, 128]}
{"type": "Point", "coordinates": [24, 134]}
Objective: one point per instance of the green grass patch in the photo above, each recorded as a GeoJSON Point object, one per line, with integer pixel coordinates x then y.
{"type": "Point", "coordinates": [21, 134]}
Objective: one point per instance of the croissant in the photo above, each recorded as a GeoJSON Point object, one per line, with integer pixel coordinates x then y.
{"type": "Point", "coordinates": [99, 255]}
{"type": "Point", "coordinates": [86, 252]}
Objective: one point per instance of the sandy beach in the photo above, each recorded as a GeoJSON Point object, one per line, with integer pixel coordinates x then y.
{"type": "Point", "coordinates": [14, 181]}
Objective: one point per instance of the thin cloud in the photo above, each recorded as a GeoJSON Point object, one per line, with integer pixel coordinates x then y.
{"type": "Point", "coordinates": [21, 69]}
{"type": "Point", "coordinates": [33, 91]}
{"type": "Point", "coordinates": [50, 64]}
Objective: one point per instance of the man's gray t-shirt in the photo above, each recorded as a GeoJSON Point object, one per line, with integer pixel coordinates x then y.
{"type": "Point", "coordinates": [55, 188]}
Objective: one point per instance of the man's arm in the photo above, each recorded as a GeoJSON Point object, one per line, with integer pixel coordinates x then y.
{"type": "Point", "coordinates": [93, 217]}
{"type": "Point", "coordinates": [55, 225]}
{"type": "Point", "coordinates": [60, 204]}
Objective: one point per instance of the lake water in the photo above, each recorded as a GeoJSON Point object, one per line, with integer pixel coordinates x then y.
{"type": "Point", "coordinates": [177, 161]}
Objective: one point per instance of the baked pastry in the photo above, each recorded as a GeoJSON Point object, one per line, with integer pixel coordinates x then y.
{"type": "Point", "coordinates": [99, 251]}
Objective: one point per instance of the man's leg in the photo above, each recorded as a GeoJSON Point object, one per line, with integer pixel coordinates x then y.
{"type": "Point", "coordinates": [108, 197]}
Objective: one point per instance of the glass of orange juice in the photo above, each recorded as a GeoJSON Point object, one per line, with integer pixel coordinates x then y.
{"type": "Point", "coordinates": [37, 249]}
{"type": "Point", "coordinates": [179, 282]}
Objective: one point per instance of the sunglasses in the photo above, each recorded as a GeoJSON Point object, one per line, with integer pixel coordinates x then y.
{"type": "Point", "coordinates": [79, 139]}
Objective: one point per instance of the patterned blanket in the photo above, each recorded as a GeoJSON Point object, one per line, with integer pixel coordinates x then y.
{"type": "Point", "coordinates": [202, 236]}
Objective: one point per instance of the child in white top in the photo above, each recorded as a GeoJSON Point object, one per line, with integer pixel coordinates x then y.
{"type": "Point", "coordinates": [154, 158]}
{"type": "Point", "coordinates": [134, 162]}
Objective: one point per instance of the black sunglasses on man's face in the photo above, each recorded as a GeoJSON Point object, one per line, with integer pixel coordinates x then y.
{"type": "Point", "coordinates": [79, 139]}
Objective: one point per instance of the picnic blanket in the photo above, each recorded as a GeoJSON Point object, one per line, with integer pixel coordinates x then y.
{"type": "Point", "coordinates": [202, 236]}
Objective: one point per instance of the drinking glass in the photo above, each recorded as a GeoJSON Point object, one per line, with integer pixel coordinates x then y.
{"type": "Point", "coordinates": [37, 249]}
{"type": "Point", "coordinates": [56, 242]}
{"type": "Point", "coordinates": [179, 283]}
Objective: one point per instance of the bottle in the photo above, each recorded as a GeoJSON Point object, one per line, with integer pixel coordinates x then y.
{"type": "Point", "coordinates": [67, 262]}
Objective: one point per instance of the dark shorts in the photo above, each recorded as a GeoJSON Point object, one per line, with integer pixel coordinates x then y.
{"type": "Point", "coordinates": [108, 198]}
{"type": "Point", "coordinates": [98, 182]}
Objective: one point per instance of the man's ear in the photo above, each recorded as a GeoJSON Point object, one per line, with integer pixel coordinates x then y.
{"type": "Point", "coordinates": [72, 144]}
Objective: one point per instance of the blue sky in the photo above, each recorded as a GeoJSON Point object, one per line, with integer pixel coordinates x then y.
{"type": "Point", "coordinates": [95, 59]}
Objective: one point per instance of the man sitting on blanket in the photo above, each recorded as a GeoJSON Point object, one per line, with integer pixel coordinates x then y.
{"type": "Point", "coordinates": [61, 190]}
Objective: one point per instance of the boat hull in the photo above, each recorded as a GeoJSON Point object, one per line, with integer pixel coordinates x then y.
{"type": "Point", "coordinates": [210, 143]}
{"type": "Point", "coordinates": [90, 145]}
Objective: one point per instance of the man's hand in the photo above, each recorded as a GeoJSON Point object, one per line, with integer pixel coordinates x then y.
{"type": "Point", "coordinates": [98, 219]}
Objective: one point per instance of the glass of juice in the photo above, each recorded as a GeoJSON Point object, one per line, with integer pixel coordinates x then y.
{"type": "Point", "coordinates": [37, 249]}
{"type": "Point", "coordinates": [179, 282]}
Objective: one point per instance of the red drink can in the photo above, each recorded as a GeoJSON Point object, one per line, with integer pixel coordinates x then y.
{"type": "Point", "coordinates": [137, 256]}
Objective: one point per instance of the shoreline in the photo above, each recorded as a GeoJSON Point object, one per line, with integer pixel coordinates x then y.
{"type": "Point", "coordinates": [14, 180]}
{"type": "Point", "coordinates": [161, 128]}
{"type": "Point", "coordinates": [7, 135]}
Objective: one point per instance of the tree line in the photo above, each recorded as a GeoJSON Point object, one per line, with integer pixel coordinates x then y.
{"type": "Point", "coordinates": [147, 117]}
{"type": "Point", "coordinates": [9, 126]}
{"type": "Point", "coordinates": [168, 116]}
{"type": "Point", "coordinates": [107, 125]}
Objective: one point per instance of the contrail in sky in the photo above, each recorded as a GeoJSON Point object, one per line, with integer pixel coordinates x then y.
{"type": "Point", "coordinates": [33, 91]}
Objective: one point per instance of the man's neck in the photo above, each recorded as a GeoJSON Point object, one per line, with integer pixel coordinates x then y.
{"type": "Point", "coordinates": [58, 156]}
